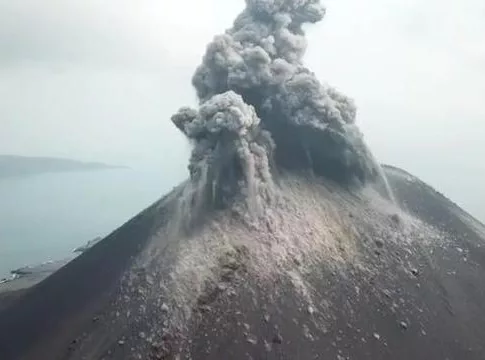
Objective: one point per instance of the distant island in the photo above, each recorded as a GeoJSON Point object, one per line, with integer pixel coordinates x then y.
{"type": "Point", "coordinates": [20, 166]}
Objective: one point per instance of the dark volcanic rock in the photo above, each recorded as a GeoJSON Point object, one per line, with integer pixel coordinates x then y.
{"type": "Point", "coordinates": [233, 290]}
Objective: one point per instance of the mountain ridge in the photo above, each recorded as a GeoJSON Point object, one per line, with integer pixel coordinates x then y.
{"type": "Point", "coordinates": [20, 166]}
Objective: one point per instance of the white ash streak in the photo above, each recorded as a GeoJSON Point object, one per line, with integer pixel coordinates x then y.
{"type": "Point", "coordinates": [231, 151]}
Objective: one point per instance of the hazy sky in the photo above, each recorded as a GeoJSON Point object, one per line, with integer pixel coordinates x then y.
{"type": "Point", "coordinates": [99, 80]}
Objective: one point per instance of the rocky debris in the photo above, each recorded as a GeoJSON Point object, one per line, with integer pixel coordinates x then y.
{"type": "Point", "coordinates": [160, 351]}
{"type": "Point", "coordinates": [267, 346]}
{"type": "Point", "coordinates": [377, 336]}
{"type": "Point", "coordinates": [307, 333]}
{"type": "Point", "coordinates": [379, 243]}
{"type": "Point", "coordinates": [404, 325]}
{"type": "Point", "coordinates": [72, 345]}
{"type": "Point", "coordinates": [204, 308]}
{"type": "Point", "coordinates": [232, 262]}
{"type": "Point", "coordinates": [251, 339]}
{"type": "Point", "coordinates": [277, 339]}
{"type": "Point", "coordinates": [396, 219]}
{"type": "Point", "coordinates": [210, 294]}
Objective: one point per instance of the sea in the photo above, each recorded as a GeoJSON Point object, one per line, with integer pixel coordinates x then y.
{"type": "Point", "coordinates": [45, 217]}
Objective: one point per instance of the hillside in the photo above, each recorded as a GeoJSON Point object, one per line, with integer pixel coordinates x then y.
{"type": "Point", "coordinates": [328, 273]}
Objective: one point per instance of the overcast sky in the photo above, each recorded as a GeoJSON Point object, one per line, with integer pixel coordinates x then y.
{"type": "Point", "coordinates": [99, 80]}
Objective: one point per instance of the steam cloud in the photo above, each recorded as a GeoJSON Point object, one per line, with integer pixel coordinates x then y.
{"type": "Point", "coordinates": [258, 103]}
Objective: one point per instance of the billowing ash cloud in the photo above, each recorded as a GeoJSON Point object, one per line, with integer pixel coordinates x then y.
{"type": "Point", "coordinates": [259, 62]}
{"type": "Point", "coordinates": [231, 151]}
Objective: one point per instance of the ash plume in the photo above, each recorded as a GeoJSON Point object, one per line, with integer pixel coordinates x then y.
{"type": "Point", "coordinates": [259, 103]}
{"type": "Point", "coordinates": [231, 151]}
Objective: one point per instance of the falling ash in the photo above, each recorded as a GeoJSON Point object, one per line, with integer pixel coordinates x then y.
{"type": "Point", "coordinates": [261, 109]}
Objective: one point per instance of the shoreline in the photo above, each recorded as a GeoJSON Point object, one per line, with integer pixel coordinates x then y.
{"type": "Point", "coordinates": [25, 277]}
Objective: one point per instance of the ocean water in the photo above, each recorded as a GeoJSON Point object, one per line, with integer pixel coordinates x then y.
{"type": "Point", "coordinates": [44, 217]}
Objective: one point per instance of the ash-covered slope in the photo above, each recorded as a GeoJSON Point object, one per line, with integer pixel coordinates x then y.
{"type": "Point", "coordinates": [326, 273]}
{"type": "Point", "coordinates": [288, 241]}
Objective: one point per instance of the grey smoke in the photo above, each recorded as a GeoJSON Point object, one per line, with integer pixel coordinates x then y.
{"type": "Point", "coordinates": [231, 151]}
{"type": "Point", "coordinates": [259, 61]}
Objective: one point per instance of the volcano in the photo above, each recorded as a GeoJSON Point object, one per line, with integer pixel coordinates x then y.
{"type": "Point", "coordinates": [288, 240]}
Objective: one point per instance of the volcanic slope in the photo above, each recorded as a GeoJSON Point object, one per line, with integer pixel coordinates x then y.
{"type": "Point", "coordinates": [325, 273]}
